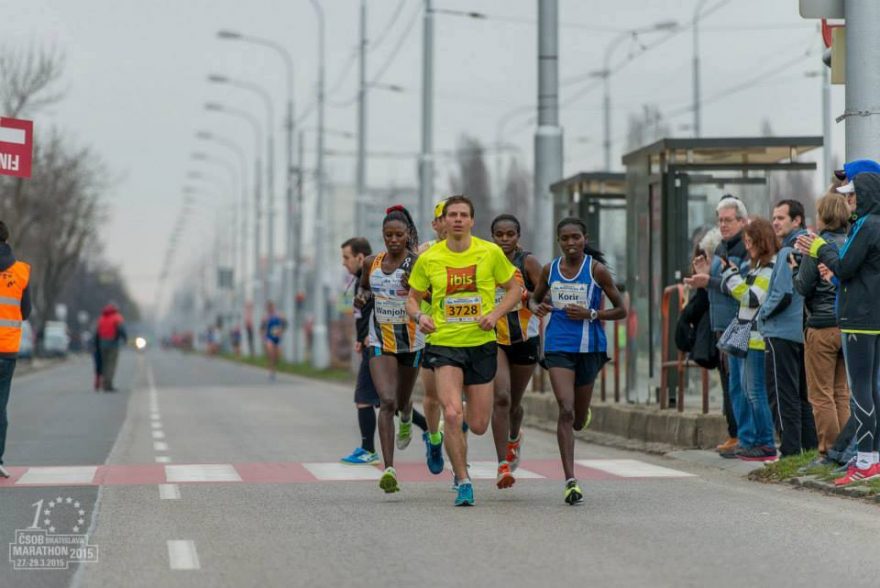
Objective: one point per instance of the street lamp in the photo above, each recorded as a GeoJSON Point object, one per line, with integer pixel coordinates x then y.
{"type": "Point", "coordinates": [270, 157]}
{"type": "Point", "coordinates": [605, 75]}
{"type": "Point", "coordinates": [293, 211]}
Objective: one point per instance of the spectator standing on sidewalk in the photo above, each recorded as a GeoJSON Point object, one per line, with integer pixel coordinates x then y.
{"type": "Point", "coordinates": [781, 322]}
{"type": "Point", "coordinates": [111, 334]}
{"type": "Point", "coordinates": [732, 219]}
{"type": "Point", "coordinates": [15, 307]}
{"type": "Point", "coordinates": [827, 387]}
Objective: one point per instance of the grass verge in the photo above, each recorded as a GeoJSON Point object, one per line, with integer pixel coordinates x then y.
{"type": "Point", "coordinates": [298, 369]}
{"type": "Point", "coordinates": [785, 468]}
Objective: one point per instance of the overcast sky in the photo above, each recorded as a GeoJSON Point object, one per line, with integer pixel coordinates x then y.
{"type": "Point", "coordinates": [136, 84]}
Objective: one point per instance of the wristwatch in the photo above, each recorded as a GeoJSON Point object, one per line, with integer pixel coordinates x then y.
{"type": "Point", "coordinates": [593, 314]}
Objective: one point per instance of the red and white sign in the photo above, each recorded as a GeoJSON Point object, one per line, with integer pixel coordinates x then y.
{"type": "Point", "coordinates": [16, 147]}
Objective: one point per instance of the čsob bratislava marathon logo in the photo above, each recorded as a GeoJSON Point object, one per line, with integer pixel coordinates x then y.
{"type": "Point", "coordinates": [47, 546]}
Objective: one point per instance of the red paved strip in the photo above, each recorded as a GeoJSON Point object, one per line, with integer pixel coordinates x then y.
{"type": "Point", "coordinates": [289, 473]}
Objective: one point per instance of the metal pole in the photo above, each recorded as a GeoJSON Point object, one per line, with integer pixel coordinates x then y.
{"type": "Point", "coordinates": [862, 79]}
{"type": "Point", "coordinates": [257, 288]}
{"type": "Point", "coordinates": [320, 344]}
{"type": "Point", "coordinates": [289, 285]}
{"type": "Point", "coordinates": [270, 213]}
{"type": "Point", "coordinates": [606, 113]}
{"type": "Point", "coordinates": [548, 135]}
{"type": "Point", "coordinates": [298, 332]}
{"type": "Point", "coordinates": [360, 227]}
{"type": "Point", "coordinates": [426, 156]}
{"type": "Point", "coordinates": [696, 80]}
{"type": "Point", "coordinates": [826, 125]}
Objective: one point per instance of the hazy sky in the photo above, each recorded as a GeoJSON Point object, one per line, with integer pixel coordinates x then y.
{"type": "Point", "coordinates": [136, 84]}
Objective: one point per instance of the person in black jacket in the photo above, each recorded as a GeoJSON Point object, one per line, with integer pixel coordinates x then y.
{"type": "Point", "coordinates": [823, 355]}
{"type": "Point", "coordinates": [857, 267]}
{"type": "Point", "coordinates": [354, 251]}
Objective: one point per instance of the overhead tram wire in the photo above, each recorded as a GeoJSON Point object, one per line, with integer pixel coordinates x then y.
{"type": "Point", "coordinates": [392, 56]}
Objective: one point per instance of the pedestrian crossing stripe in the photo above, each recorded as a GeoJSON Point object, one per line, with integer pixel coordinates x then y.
{"type": "Point", "coordinates": [315, 472]}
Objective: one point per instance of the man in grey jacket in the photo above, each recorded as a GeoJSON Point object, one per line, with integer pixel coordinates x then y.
{"type": "Point", "coordinates": [781, 322]}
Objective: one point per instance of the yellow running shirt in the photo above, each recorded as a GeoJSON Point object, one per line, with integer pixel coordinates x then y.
{"type": "Point", "coordinates": [462, 289]}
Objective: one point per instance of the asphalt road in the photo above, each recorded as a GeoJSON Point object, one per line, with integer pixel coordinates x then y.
{"type": "Point", "coordinates": [200, 472]}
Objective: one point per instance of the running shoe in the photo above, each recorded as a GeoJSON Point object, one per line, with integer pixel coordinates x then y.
{"type": "Point", "coordinates": [513, 450]}
{"type": "Point", "coordinates": [573, 493]}
{"type": "Point", "coordinates": [388, 481]}
{"type": "Point", "coordinates": [759, 453]}
{"type": "Point", "coordinates": [361, 456]}
{"type": "Point", "coordinates": [504, 479]}
{"type": "Point", "coordinates": [465, 495]}
{"type": "Point", "coordinates": [433, 453]}
{"type": "Point", "coordinates": [404, 433]}
{"type": "Point", "coordinates": [854, 475]}
{"type": "Point", "coordinates": [4, 473]}
{"type": "Point", "coordinates": [589, 419]}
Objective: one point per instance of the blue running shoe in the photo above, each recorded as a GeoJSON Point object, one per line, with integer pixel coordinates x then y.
{"type": "Point", "coordinates": [465, 495]}
{"type": "Point", "coordinates": [433, 454]}
{"type": "Point", "coordinates": [361, 457]}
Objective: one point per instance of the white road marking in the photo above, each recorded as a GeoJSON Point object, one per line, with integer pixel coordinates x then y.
{"type": "Point", "coordinates": [163, 459]}
{"type": "Point", "coordinates": [169, 491]}
{"type": "Point", "coordinates": [155, 415]}
{"type": "Point", "coordinates": [182, 555]}
{"type": "Point", "coordinates": [218, 472]}
{"type": "Point", "coordinates": [488, 470]}
{"type": "Point", "coordinates": [156, 424]}
{"type": "Point", "coordinates": [340, 471]}
{"type": "Point", "coordinates": [158, 435]}
{"type": "Point", "coordinates": [59, 475]}
{"type": "Point", "coordinates": [160, 446]}
{"type": "Point", "coordinates": [632, 468]}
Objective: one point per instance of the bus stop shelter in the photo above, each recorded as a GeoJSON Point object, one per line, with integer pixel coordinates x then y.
{"type": "Point", "coordinates": [672, 187]}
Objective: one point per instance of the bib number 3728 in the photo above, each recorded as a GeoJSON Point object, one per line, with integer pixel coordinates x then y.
{"type": "Point", "coordinates": [463, 310]}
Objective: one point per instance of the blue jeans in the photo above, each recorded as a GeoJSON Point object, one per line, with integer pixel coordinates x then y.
{"type": "Point", "coordinates": [7, 368]}
{"type": "Point", "coordinates": [749, 398]}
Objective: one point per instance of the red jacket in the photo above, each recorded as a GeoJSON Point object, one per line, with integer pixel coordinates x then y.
{"type": "Point", "coordinates": [110, 324]}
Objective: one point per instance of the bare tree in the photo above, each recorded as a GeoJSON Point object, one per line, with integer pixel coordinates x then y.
{"type": "Point", "coordinates": [646, 127]}
{"type": "Point", "coordinates": [516, 198]}
{"type": "Point", "coordinates": [29, 79]}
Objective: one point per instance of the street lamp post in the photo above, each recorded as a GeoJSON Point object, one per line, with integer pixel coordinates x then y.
{"type": "Point", "coordinates": [426, 156]}
{"type": "Point", "coordinates": [256, 289]}
{"type": "Point", "coordinates": [289, 285]}
{"type": "Point", "coordinates": [270, 169]}
{"type": "Point", "coordinates": [361, 167]}
{"type": "Point", "coordinates": [696, 39]}
{"type": "Point", "coordinates": [320, 344]}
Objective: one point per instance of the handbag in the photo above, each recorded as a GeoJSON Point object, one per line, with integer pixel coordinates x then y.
{"type": "Point", "coordinates": [735, 339]}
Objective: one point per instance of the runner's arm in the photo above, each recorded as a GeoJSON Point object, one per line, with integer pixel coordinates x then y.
{"type": "Point", "coordinates": [536, 303]}
{"type": "Point", "coordinates": [533, 271]}
{"type": "Point", "coordinates": [603, 277]}
{"type": "Point", "coordinates": [414, 310]}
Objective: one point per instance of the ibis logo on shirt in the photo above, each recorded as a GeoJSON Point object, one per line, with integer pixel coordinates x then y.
{"type": "Point", "coordinates": [461, 279]}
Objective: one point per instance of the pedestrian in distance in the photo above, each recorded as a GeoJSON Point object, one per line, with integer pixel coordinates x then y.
{"type": "Point", "coordinates": [575, 346]}
{"type": "Point", "coordinates": [99, 364]}
{"type": "Point", "coordinates": [111, 337]}
{"type": "Point", "coordinates": [395, 342]}
{"type": "Point", "coordinates": [519, 342]}
{"type": "Point", "coordinates": [856, 266]}
{"type": "Point", "coordinates": [15, 308]}
{"type": "Point", "coordinates": [273, 330]}
{"type": "Point", "coordinates": [462, 273]}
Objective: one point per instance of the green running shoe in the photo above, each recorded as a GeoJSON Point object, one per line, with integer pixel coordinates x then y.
{"type": "Point", "coordinates": [388, 481]}
{"type": "Point", "coordinates": [404, 433]}
{"type": "Point", "coordinates": [589, 419]}
{"type": "Point", "coordinates": [573, 493]}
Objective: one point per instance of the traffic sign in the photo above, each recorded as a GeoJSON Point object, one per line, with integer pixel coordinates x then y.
{"type": "Point", "coordinates": [821, 8]}
{"type": "Point", "coordinates": [16, 147]}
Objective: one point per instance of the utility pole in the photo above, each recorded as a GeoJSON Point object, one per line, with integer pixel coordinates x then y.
{"type": "Point", "coordinates": [862, 79]}
{"type": "Point", "coordinates": [298, 333]}
{"type": "Point", "coordinates": [548, 135]}
{"type": "Point", "coordinates": [360, 210]}
{"type": "Point", "coordinates": [426, 157]}
{"type": "Point", "coordinates": [827, 165]}
{"type": "Point", "coordinates": [258, 294]}
{"type": "Point", "coordinates": [696, 32]}
{"type": "Point", "coordinates": [320, 344]}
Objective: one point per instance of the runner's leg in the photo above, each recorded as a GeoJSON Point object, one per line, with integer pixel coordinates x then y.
{"type": "Point", "coordinates": [383, 369]}
{"type": "Point", "coordinates": [430, 403]}
{"type": "Point", "coordinates": [480, 398]}
{"type": "Point", "coordinates": [583, 396]}
{"type": "Point", "coordinates": [501, 409]}
{"type": "Point", "coordinates": [520, 376]}
{"type": "Point", "coordinates": [562, 382]}
{"type": "Point", "coordinates": [450, 381]}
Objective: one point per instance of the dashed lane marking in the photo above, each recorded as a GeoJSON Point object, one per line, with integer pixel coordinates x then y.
{"type": "Point", "coordinates": [182, 555]}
